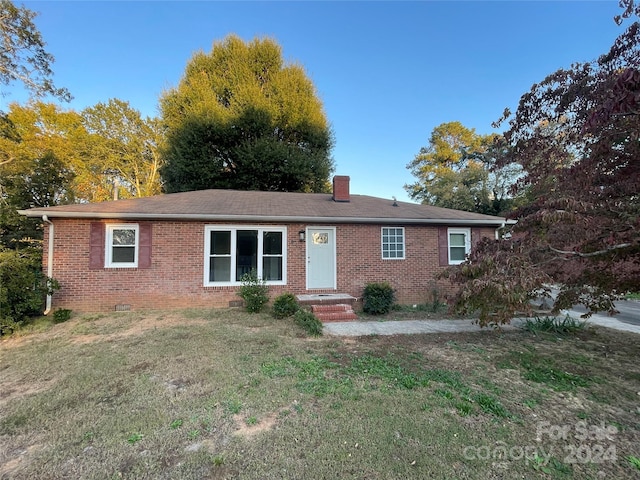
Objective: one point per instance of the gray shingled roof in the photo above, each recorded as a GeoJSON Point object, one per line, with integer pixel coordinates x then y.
{"type": "Point", "coordinates": [235, 205]}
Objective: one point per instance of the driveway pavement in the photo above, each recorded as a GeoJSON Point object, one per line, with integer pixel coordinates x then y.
{"type": "Point", "coordinates": [628, 320]}
{"type": "Point", "coordinates": [358, 329]}
{"type": "Point", "coordinates": [629, 311]}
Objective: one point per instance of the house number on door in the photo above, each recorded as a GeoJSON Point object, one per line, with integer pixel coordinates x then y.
{"type": "Point", "coordinates": [320, 238]}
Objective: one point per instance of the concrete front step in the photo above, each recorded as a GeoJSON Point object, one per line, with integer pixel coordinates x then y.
{"type": "Point", "coordinates": [326, 299]}
{"type": "Point", "coordinates": [337, 317]}
{"type": "Point", "coordinates": [334, 313]}
{"type": "Point", "coordinates": [330, 308]}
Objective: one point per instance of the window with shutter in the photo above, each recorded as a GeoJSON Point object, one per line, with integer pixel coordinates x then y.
{"type": "Point", "coordinates": [459, 241]}
{"type": "Point", "coordinates": [120, 246]}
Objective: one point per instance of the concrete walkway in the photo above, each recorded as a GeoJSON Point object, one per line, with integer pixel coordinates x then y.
{"type": "Point", "coordinates": [394, 327]}
{"type": "Point", "coordinates": [358, 329]}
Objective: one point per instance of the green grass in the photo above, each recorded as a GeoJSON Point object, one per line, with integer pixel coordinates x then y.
{"type": "Point", "coordinates": [225, 394]}
{"type": "Point", "coordinates": [634, 462]}
{"type": "Point", "coordinates": [559, 326]}
{"type": "Point", "coordinates": [544, 370]}
{"type": "Point", "coordinates": [490, 404]}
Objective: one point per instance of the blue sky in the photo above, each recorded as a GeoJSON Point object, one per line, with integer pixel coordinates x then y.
{"type": "Point", "coordinates": [386, 72]}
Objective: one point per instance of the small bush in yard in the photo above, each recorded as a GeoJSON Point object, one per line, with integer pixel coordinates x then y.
{"type": "Point", "coordinates": [23, 288]}
{"type": "Point", "coordinates": [253, 291]}
{"type": "Point", "coordinates": [436, 305]}
{"type": "Point", "coordinates": [285, 305]}
{"type": "Point", "coordinates": [568, 325]}
{"type": "Point", "coordinates": [378, 298]}
{"type": "Point", "coordinates": [309, 322]}
{"type": "Point", "coordinates": [61, 315]}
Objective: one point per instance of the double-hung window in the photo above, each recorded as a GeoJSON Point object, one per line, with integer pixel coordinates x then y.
{"type": "Point", "coordinates": [393, 243]}
{"type": "Point", "coordinates": [459, 245]}
{"type": "Point", "coordinates": [122, 246]}
{"type": "Point", "coordinates": [231, 252]}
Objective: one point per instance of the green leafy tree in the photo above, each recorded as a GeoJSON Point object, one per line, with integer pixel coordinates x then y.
{"type": "Point", "coordinates": [40, 128]}
{"type": "Point", "coordinates": [23, 57]}
{"type": "Point", "coordinates": [55, 156]}
{"type": "Point", "coordinates": [456, 171]}
{"type": "Point", "coordinates": [36, 128]}
{"type": "Point", "coordinates": [105, 143]}
{"type": "Point", "coordinates": [42, 159]}
{"type": "Point", "coordinates": [241, 118]}
{"type": "Point", "coordinates": [47, 182]}
{"type": "Point", "coordinates": [127, 146]}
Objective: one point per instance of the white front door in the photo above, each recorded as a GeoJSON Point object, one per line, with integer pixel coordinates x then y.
{"type": "Point", "coordinates": [321, 257]}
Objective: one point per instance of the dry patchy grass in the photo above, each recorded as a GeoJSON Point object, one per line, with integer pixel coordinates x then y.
{"type": "Point", "coordinates": [223, 394]}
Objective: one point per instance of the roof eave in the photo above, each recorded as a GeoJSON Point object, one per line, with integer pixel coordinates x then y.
{"type": "Point", "coordinates": [498, 221]}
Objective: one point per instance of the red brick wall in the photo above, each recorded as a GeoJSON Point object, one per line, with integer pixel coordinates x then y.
{"type": "Point", "coordinates": [175, 277]}
{"type": "Point", "coordinates": [341, 188]}
{"type": "Point", "coordinates": [360, 262]}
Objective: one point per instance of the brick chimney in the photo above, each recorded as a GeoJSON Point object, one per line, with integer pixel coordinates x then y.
{"type": "Point", "coordinates": [341, 188]}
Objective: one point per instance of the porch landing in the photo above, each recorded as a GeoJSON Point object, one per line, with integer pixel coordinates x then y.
{"type": "Point", "coordinates": [330, 307]}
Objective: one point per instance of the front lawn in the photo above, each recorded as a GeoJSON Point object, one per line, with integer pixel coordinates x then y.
{"type": "Point", "coordinates": [224, 394]}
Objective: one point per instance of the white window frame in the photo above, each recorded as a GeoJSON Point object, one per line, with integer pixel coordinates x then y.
{"type": "Point", "coordinates": [467, 243]}
{"type": "Point", "coordinates": [108, 257]}
{"type": "Point", "coordinates": [233, 229]}
{"type": "Point", "coordinates": [382, 243]}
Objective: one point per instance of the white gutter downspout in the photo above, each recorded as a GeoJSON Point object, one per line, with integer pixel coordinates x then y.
{"type": "Point", "coordinates": [47, 310]}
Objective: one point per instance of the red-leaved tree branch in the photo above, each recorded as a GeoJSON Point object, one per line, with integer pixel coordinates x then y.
{"type": "Point", "coordinates": [576, 135]}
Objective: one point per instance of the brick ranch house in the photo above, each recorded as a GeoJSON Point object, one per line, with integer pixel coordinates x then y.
{"type": "Point", "coordinates": [190, 249]}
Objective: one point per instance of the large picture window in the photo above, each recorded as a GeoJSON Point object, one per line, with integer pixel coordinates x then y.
{"type": "Point", "coordinates": [232, 252]}
{"type": "Point", "coordinates": [459, 245]}
{"type": "Point", "coordinates": [393, 243]}
{"type": "Point", "coordinates": [122, 246]}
